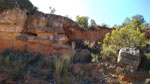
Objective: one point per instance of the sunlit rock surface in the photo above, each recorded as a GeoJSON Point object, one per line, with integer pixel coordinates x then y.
{"type": "Point", "coordinates": [129, 57]}
{"type": "Point", "coordinates": [43, 33]}
{"type": "Point", "coordinates": [36, 33]}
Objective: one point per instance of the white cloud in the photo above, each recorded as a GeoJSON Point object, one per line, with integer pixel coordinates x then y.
{"type": "Point", "coordinates": [63, 7]}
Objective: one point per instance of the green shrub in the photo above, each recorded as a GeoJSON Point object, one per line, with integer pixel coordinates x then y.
{"type": "Point", "coordinates": [108, 53]}
{"type": "Point", "coordinates": [63, 70]}
{"type": "Point", "coordinates": [95, 57]}
{"type": "Point", "coordinates": [119, 38]}
{"type": "Point", "coordinates": [20, 63]}
{"type": "Point", "coordinates": [146, 57]}
{"type": "Point", "coordinates": [82, 21]}
{"type": "Point", "coordinates": [52, 64]}
{"type": "Point", "coordinates": [93, 47]}
{"type": "Point", "coordinates": [8, 4]}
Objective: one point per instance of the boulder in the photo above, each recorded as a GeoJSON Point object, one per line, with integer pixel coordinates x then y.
{"type": "Point", "coordinates": [83, 56]}
{"type": "Point", "coordinates": [129, 57]}
{"type": "Point", "coordinates": [147, 81]}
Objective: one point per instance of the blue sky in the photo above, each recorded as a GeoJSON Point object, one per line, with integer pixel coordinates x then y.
{"type": "Point", "coordinates": [109, 12]}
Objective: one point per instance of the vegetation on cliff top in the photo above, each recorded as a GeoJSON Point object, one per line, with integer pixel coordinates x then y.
{"type": "Point", "coordinates": [136, 21]}
{"type": "Point", "coordinates": [8, 4]}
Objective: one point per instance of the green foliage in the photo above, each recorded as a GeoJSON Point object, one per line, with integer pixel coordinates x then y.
{"type": "Point", "coordinates": [104, 25]}
{"type": "Point", "coordinates": [63, 69]}
{"type": "Point", "coordinates": [147, 49]}
{"type": "Point", "coordinates": [139, 17]}
{"type": "Point", "coordinates": [93, 23]}
{"type": "Point", "coordinates": [126, 22]}
{"type": "Point", "coordinates": [89, 44]}
{"type": "Point", "coordinates": [95, 57]}
{"type": "Point", "coordinates": [82, 21]}
{"type": "Point", "coordinates": [144, 26]}
{"type": "Point", "coordinates": [119, 38]}
{"type": "Point", "coordinates": [25, 4]}
{"type": "Point", "coordinates": [116, 26]}
{"type": "Point", "coordinates": [146, 57]}
{"type": "Point", "coordinates": [136, 21]}
{"type": "Point", "coordinates": [20, 63]}
{"type": "Point", "coordinates": [93, 47]}
{"type": "Point", "coordinates": [52, 64]}
{"type": "Point", "coordinates": [109, 53]}
{"type": "Point", "coordinates": [125, 37]}
{"type": "Point", "coordinates": [8, 4]}
{"type": "Point", "coordinates": [52, 10]}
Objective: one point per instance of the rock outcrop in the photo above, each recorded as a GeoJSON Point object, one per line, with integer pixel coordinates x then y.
{"type": "Point", "coordinates": [36, 33]}
{"type": "Point", "coordinates": [129, 57]}
{"type": "Point", "coordinates": [83, 56]}
{"type": "Point", "coordinates": [42, 33]}
{"type": "Point", "coordinates": [91, 35]}
{"type": "Point", "coordinates": [75, 33]}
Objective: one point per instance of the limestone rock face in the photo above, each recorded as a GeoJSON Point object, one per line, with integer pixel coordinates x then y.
{"type": "Point", "coordinates": [129, 57]}
{"type": "Point", "coordinates": [74, 33]}
{"type": "Point", "coordinates": [36, 33]}
{"type": "Point", "coordinates": [42, 33]}
{"type": "Point", "coordinates": [39, 22]}
{"type": "Point", "coordinates": [13, 20]}
{"type": "Point", "coordinates": [46, 29]}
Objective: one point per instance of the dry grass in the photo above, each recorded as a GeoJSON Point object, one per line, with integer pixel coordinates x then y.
{"type": "Point", "coordinates": [63, 69]}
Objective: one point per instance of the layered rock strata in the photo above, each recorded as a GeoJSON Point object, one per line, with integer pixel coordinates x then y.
{"type": "Point", "coordinates": [36, 33]}
{"type": "Point", "coordinates": [129, 57]}
{"type": "Point", "coordinates": [43, 33]}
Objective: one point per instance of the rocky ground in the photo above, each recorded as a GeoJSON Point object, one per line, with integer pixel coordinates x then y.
{"type": "Point", "coordinates": [88, 73]}
{"type": "Point", "coordinates": [27, 68]}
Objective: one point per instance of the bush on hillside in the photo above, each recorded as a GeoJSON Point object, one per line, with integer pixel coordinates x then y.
{"type": "Point", "coordinates": [93, 47]}
{"type": "Point", "coordinates": [8, 4]}
{"type": "Point", "coordinates": [119, 38]}
{"type": "Point", "coordinates": [21, 63]}
{"type": "Point", "coordinates": [63, 70]}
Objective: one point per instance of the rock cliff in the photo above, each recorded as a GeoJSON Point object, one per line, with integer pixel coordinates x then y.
{"type": "Point", "coordinates": [91, 35]}
{"type": "Point", "coordinates": [36, 33]}
{"type": "Point", "coordinates": [42, 33]}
